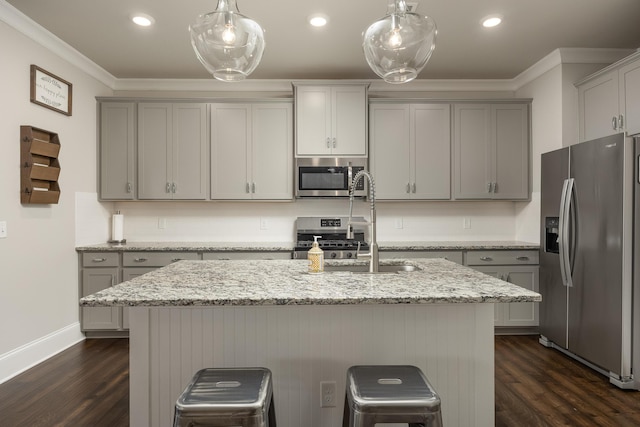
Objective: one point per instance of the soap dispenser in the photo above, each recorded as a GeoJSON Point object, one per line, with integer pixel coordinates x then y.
{"type": "Point", "coordinates": [315, 257]}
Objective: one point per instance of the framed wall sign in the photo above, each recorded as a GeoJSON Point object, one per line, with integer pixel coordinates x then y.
{"type": "Point", "coordinates": [50, 91]}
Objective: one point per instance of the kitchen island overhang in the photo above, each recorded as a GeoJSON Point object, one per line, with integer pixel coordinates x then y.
{"type": "Point", "coordinates": [311, 328]}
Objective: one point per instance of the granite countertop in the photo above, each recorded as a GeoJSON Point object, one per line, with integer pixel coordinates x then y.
{"type": "Point", "coordinates": [189, 246]}
{"type": "Point", "coordinates": [286, 282]}
{"type": "Point", "coordinates": [289, 246]}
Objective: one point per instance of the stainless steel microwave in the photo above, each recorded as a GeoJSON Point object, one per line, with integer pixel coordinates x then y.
{"type": "Point", "coordinates": [328, 177]}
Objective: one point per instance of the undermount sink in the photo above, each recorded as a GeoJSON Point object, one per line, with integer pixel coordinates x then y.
{"type": "Point", "coordinates": [365, 268]}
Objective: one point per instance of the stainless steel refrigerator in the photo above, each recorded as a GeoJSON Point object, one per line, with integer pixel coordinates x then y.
{"type": "Point", "coordinates": [589, 214]}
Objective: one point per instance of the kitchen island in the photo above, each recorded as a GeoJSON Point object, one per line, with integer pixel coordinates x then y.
{"type": "Point", "coordinates": [311, 328]}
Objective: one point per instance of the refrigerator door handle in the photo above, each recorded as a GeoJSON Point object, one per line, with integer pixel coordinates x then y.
{"type": "Point", "coordinates": [561, 228]}
{"type": "Point", "coordinates": [566, 259]}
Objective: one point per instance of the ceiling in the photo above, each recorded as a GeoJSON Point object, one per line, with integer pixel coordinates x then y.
{"type": "Point", "coordinates": [103, 32]}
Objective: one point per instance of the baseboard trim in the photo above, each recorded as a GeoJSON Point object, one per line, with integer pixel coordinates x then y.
{"type": "Point", "coordinates": [27, 356]}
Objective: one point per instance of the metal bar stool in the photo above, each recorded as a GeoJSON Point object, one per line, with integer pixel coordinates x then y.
{"type": "Point", "coordinates": [227, 397]}
{"type": "Point", "coordinates": [390, 394]}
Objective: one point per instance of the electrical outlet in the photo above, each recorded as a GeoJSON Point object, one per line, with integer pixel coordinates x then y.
{"type": "Point", "coordinates": [327, 394]}
{"type": "Point", "coordinates": [466, 223]}
{"type": "Point", "coordinates": [264, 224]}
{"type": "Point", "coordinates": [3, 229]}
{"type": "Point", "coordinates": [399, 224]}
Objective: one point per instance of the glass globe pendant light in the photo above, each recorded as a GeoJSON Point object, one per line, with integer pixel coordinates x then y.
{"type": "Point", "coordinates": [398, 46]}
{"type": "Point", "coordinates": [227, 43]}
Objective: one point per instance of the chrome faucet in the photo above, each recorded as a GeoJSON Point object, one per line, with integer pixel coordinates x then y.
{"type": "Point", "coordinates": [372, 255]}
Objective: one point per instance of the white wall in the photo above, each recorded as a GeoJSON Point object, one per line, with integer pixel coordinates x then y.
{"type": "Point", "coordinates": [241, 222]}
{"type": "Point", "coordinates": [38, 263]}
{"type": "Point", "coordinates": [554, 118]}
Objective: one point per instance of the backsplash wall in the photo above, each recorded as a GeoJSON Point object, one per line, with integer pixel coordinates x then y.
{"type": "Point", "coordinates": [274, 222]}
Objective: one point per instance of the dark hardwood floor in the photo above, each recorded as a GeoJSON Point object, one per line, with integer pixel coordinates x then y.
{"type": "Point", "coordinates": [88, 385]}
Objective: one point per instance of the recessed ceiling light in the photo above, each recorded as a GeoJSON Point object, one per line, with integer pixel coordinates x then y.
{"type": "Point", "coordinates": [491, 21]}
{"type": "Point", "coordinates": [318, 20]}
{"type": "Point", "coordinates": [143, 20]}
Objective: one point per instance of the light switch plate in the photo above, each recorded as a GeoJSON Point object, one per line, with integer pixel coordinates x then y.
{"type": "Point", "coordinates": [3, 229]}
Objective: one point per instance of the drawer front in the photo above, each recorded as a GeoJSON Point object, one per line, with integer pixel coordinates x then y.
{"type": "Point", "coordinates": [227, 255]}
{"type": "Point", "coordinates": [502, 257]}
{"type": "Point", "coordinates": [100, 259]}
{"type": "Point", "coordinates": [155, 259]}
{"type": "Point", "coordinates": [454, 256]}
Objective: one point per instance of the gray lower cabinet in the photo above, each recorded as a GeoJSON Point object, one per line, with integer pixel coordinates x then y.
{"type": "Point", "coordinates": [129, 273]}
{"type": "Point", "coordinates": [99, 271]}
{"type": "Point", "coordinates": [517, 267]}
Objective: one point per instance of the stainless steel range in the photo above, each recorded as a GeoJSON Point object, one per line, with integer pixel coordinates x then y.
{"type": "Point", "coordinates": [333, 242]}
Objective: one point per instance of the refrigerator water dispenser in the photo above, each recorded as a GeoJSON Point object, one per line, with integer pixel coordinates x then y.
{"type": "Point", "coordinates": [551, 234]}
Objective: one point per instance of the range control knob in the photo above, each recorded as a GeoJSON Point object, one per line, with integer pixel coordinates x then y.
{"type": "Point", "coordinates": [333, 255]}
{"type": "Point", "coordinates": [349, 255]}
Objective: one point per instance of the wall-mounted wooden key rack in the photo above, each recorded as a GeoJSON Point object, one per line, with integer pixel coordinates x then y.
{"type": "Point", "coordinates": [40, 168]}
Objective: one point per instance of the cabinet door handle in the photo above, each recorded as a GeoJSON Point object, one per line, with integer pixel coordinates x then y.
{"type": "Point", "coordinates": [489, 187]}
{"type": "Point", "coordinates": [253, 187]}
{"type": "Point", "coordinates": [522, 258]}
{"type": "Point", "coordinates": [614, 123]}
{"type": "Point", "coordinates": [247, 190]}
{"type": "Point", "coordinates": [168, 188]}
{"type": "Point", "coordinates": [128, 187]}
{"type": "Point", "coordinates": [173, 187]}
{"type": "Point", "coordinates": [486, 258]}
{"type": "Point", "coordinates": [140, 259]}
{"type": "Point", "coordinates": [328, 142]}
{"type": "Point", "coordinates": [98, 259]}
{"type": "Point", "coordinates": [495, 187]}
{"type": "Point", "coordinates": [408, 188]}
{"type": "Point", "coordinates": [620, 122]}
{"type": "Point", "coordinates": [506, 277]}
{"type": "Point", "coordinates": [413, 188]}
{"type": "Point", "coordinates": [334, 143]}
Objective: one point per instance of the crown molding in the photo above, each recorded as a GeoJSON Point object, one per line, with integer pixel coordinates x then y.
{"type": "Point", "coordinates": [25, 25]}
{"type": "Point", "coordinates": [568, 56]}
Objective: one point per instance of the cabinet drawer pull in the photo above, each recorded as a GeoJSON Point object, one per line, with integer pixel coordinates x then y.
{"type": "Point", "coordinates": [486, 258]}
{"type": "Point", "coordinates": [140, 259]}
{"type": "Point", "coordinates": [177, 259]}
{"type": "Point", "coordinates": [98, 259]}
{"type": "Point", "coordinates": [522, 258]}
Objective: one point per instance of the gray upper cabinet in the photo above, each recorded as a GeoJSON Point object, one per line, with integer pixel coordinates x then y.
{"type": "Point", "coordinates": [172, 151]}
{"type": "Point", "coordinates": [252, 151]}
{"type": "Point", "coordinates": [331, 120]}
{"type": "Point", "coordinates": [410, 150]}
{"type": "Point", "coordinates": [629, 81]}
{"type": "Point", "coordinates": [491, 151]}
{"type": "Point", "coordinates": [117, 151]}
{"type": "Point", "coordinates": [608, 100]}
{"type": "Point", "coordinates": [599, 107]}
